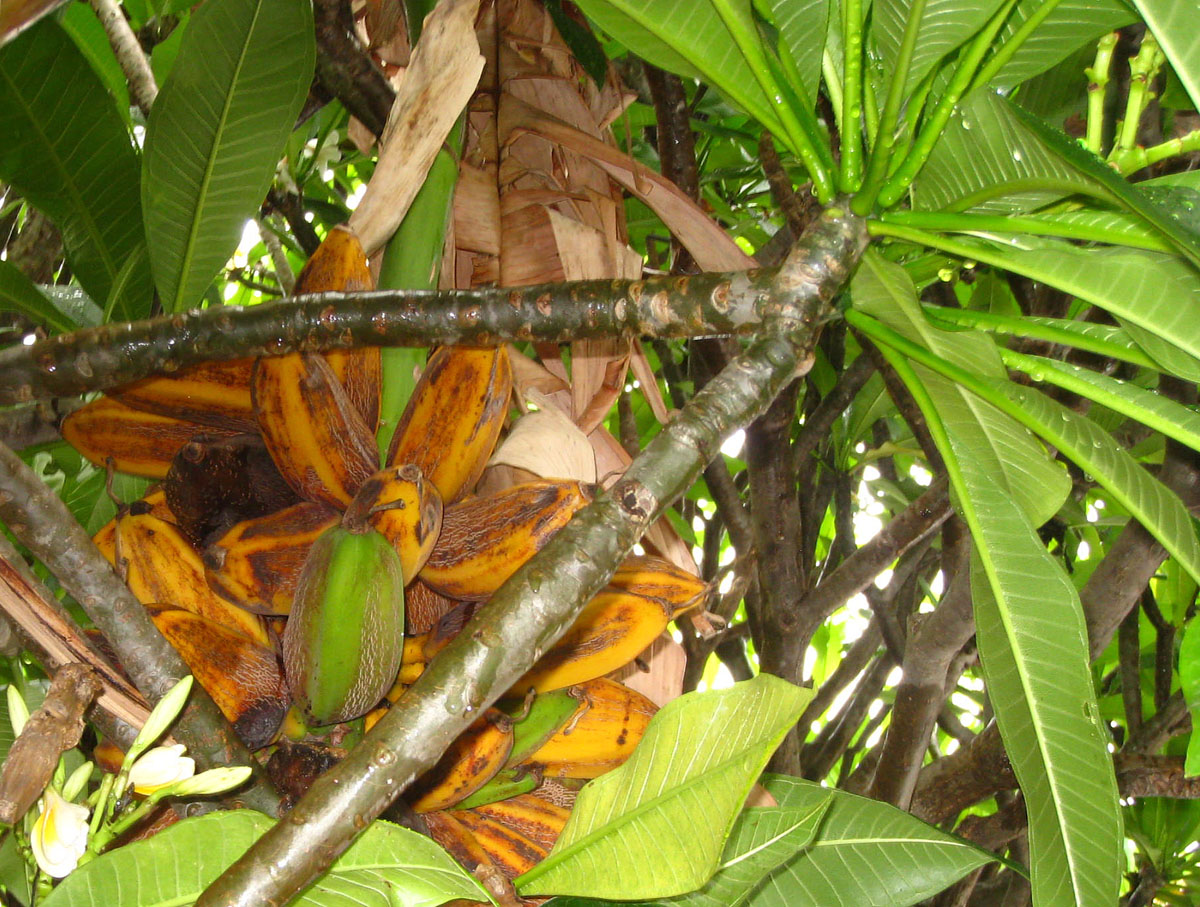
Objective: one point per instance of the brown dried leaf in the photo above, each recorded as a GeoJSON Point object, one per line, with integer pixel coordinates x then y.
{"type": "Point", "coordinates": [51, 730]}
{"type": "Point", "coordinates": [445, 67]}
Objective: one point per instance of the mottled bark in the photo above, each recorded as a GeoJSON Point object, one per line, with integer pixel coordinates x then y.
{"type": "Point", "coordinates": [103, 357]}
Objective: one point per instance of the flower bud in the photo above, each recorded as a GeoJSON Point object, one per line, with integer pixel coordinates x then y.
{"type": "Point", "coordinates": [213, 781]}
{"type": "Point", "coordinates": [159, 767]}
{"type": "Point", "coordinates": [60, 835]}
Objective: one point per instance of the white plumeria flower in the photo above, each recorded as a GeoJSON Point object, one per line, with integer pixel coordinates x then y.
{"type": "Point", "coordinates": [159, 767]}
{"type": "Point", "coordinates": [213, 781]}
{"type": "Point", "coordinates": [60, 835]}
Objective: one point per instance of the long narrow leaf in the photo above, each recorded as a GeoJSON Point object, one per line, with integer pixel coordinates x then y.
{"type": "Point", "coordinates": [1023, 466]}
{"type": "Point", "coordinates": [1071, 25]}
{"type": "Point", "coordinates": [689, 39]}
{"type": "Point", "coordinates": [665, 814]}
{"type": "Point", "coordinates": [1079, 439]}
{"type": "Point", "coordinates": [216, 133]}
{"type": "Point", "coordinates": [944, 25]}
{"type": "Point", "coordinates": [1174, 25]}
{"type": "Point", "coordinates": [989, 160]}
{"type": "Point", "coordinates": [65, 149]}
{"type": "Point", "coordinates": [1184, 238]}
{"type": "Point", "coordinates": [1151, 409]}
{"type": "Point", "coordinates": [1033, 646]}
{"type": "Point", "coordinates": [20, 294]}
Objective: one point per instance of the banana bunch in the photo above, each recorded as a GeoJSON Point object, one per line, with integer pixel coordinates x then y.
{"type": "Point", "coordinates": [286, 560]}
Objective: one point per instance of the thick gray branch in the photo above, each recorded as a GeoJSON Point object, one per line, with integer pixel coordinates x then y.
{"type": "Point", "coordinates": [109, 355]}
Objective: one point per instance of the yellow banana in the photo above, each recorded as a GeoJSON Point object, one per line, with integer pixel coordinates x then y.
{"type": "Point", "coordinates": [340, 264]}
{"type": "Point", "coordinates": [658, 578]}
{"type": "Point", "coordinates": [611, 630]}
{"type": "Point", "coordinates": [510, 851]}
{"type": "Point", "coordinates": [257, 563]}
{"type": "Point", "coordinates": [600, 737]}
{"type": "Point", "coordinates": [139, 443]}
{"type": "Point", "coordinates": [314, 433]}
{"type": "Point", "coordinates": [484, 540]}
{"type": "Point", "coordinates": [470, 762]}
{"type": "Point", "coordinates": [457, 840]}
{"type": "Point", "coordinates": [454, 417]}
{"type": "Point", "coordinates": [216, 394]}
{"type": "Point", "coordinates": [406, 508]}
{"type": "Point", "coordinates": [161, 567]}
{"type": "Point", "coordinates": [241, 676]}
{"type": "Point", "coordinates": [153, 502]}
{"type": "Point", "coordinates": [534, 817]}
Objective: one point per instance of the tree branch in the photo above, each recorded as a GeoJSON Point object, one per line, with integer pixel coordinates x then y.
{"type": "Point", "coordinates": [538, 604]}
{"type": "Point", "coordinates": [106, 356]}
{"type": "Point", "coordinates": [129, 54]}
{"type": "Point", "coordinates": [41, 522]}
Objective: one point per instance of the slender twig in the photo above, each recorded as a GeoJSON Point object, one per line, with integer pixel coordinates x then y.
{"type": "Point", "coordinates": [129, 54]}
{"type": "Point", "coordinates": [537, 605]}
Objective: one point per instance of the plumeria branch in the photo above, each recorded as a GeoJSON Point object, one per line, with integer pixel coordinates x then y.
{"type": "Point", "coordinates": [114, 354]}
{"type": "Point", "coordinates": [540, 602]}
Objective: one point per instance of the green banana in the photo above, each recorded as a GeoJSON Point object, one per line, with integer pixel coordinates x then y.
{"type": "Point", "coordinates": [345, 635]}
{"type": "Point", "coordinates": [508, 782]}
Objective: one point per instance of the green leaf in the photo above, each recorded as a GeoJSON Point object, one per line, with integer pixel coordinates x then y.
{"type": "Point", "coordinates": [689, 39]}
{"type": "Point", "coordinates": [763, 838]}
{"type": "Point", "coordinates": [1033, 646]}
{"type": "Point", "coordinates": [1072, 24]}
{"type": "Point", "coordinates": [1158, 412]}
{"type": "Point", "coordinates": [79, 21]}
{"type": "Point", "coordinates": [802, 25]}
{"type": "Point", "coordinates": [1189, 681]}
{"type": "Point", "coordinates": [1023, 466]}
{"type": "Point", "coordinates": [945, 25]}
{"type": "Point", "coordinates": [1080, 439]}
{"type": "Point", "coordinates": [216, 133]}
{"type": "Point", "coordinates": [857, 838]}
{"type": "Point", "coordinates": [988, 160]}
{"type": "Point", "coordinates": [1175, 228]}
{"type": "Point", "coordinates": [387, 865]}
{"type": "Point", "coordinates": [1155, 291]}
{"type": "Point", "coordinates": [665, 814]}
{"type": "Point", "coordinates": [20, 294]}
{"type": "Point", "coordinates": [1174, 25]}
{"type": "Point", "coordinates": [66, 150]}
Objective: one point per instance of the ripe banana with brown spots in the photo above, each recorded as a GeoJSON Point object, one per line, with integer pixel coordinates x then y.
{"type": "Point", "coordinates": [153, 502]}
{"type": "Point", "coordinates": [257, 563]}
{"type": "Point", "coordinates": [161, 567]}
{"type": "Point", "coordinates": [510, 849]}
{"type": "Point", "coordinates": [242, 676]}
{"type": "Point", "coordinates": [485, 540]}
{"type": "Point", "coordinates": [454, 417]}
{"type": "Point", "coordinates": [612, 629]}
{"type": "Point", "coordinates": [216, 394]}
{"type": "Point", "coordinates": [470, 762]}
{"type": "Point", "coordinates": [405, 507]}
{"type": "Point", "coordinates": [339, 264]}
{"type": "Point", "coordinates": [315, 434]}
{"type": "Point", "coordinates": [137, 442]}
{"type": "Point", "coordinates": [600, 736]}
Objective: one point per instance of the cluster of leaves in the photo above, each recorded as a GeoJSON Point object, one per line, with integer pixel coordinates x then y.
{"type": "Point", "coordinates": [1009, 258]}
